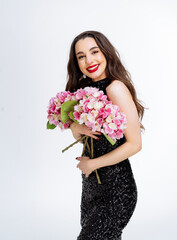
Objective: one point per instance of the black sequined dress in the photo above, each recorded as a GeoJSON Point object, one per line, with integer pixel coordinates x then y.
{"type": "Point", "coordinates": [107, 208]}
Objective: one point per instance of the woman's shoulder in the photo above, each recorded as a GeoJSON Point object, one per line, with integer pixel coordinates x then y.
{"type": "Point", "coordinates": [117, 87]}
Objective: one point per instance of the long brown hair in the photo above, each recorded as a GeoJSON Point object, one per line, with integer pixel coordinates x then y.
{"type": "Point", "coordinates": [114, 69]}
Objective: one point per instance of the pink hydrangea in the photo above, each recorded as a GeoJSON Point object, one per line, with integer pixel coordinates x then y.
{"type": "Point", "coordinates": [54, 109]}
{"type": "Point", "coordinates": [95, 111]}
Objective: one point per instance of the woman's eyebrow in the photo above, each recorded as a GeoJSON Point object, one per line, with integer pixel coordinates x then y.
{"type": "Point", "coordinates": [90, 50]}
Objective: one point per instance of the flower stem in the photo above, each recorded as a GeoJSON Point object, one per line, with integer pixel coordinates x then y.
{"type": "Point", "coordinates": [92, 156]}
{"type": "Point", "coordinates": [88, 148]}
{"type": "Point", "coordinates": [86, 143]}
{"type": "Point", "coordinates": [73, 143]}
{"type": "Point", "coordinates": [98, 177]}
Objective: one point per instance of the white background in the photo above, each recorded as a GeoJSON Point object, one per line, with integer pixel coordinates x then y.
{"type": "Point", "coordinates": [40, 188]}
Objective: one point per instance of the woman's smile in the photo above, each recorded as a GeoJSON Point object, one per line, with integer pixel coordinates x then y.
{"type": "Point", "coordinates": [93, 68]}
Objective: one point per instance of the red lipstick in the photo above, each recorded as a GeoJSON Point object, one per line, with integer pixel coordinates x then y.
{"type": "Point", "coordinates": [92, 68]}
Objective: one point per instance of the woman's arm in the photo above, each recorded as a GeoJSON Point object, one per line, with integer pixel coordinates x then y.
{"type": "Point", "coordinates": [119, 94]}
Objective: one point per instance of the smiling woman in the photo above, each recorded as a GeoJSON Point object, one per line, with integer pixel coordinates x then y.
{"type": "Point", "coordinates": [106, 208]}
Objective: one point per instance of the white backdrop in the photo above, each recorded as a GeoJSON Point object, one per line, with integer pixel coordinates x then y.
{"type": "Point", "coordinates": [40, 188]}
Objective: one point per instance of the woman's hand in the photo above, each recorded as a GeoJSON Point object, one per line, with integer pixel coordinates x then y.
{"type": "Point", "coordinates": [86, 165]}
{"type": "Point", "coordinates": [80, 129]}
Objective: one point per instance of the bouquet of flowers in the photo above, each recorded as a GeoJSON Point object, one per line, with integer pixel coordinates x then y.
{"type": "Point", "coordinates": [87, 106]}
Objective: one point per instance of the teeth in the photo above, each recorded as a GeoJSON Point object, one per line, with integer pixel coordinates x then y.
{"type": "Point", "coordinates": [93, 67]}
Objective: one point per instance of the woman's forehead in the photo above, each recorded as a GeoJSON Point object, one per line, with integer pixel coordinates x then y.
{"type": "Point", "coordinates": [85, 44]}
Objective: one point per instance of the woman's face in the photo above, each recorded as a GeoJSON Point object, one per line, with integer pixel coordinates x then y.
{"type": "Point", "coordinates": [91, 60]}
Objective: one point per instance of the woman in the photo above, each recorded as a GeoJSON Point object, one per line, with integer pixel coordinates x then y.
{"type": "Point", "coordinates": [106, 208]}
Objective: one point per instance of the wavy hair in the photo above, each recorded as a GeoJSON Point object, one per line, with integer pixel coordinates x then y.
{"type": "Point", "coordinates": [114, 69]}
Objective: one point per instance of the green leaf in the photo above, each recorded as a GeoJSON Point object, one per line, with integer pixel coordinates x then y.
{"type": "Point", "coordinates": [67, 107]}
{"type": "Point", "coordinates": [50, 126]}
{"type": "Point", "coordinates": [72, 117]}
{"type": "Point", "coordinates": [64, 116]}
{"type": "Point", "coordinates": [109, 139]}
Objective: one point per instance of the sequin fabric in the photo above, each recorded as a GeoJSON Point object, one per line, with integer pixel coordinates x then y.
{"type": "Point", "coordinates": [107, 208]}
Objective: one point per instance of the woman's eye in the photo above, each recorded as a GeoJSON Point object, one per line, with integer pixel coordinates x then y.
{"type": "Point", "coordinates": [95, 52]}
{"type": "Point", "coordinates": [80, 57]}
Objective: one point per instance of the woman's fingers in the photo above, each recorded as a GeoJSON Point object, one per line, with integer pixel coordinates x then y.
{"type": "Point", "coordinates": [98, 133]}
{"type": "Point", "coordinates": [90, 133]}
{"type": "Point", "coordinates": [81, 129]}
{"type": "Point", "coordinates": [88, 129]}
{"type": "Point", "coordinates": [93, 136]}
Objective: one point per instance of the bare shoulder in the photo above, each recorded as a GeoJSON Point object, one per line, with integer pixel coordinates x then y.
{"type": "Point", "coordinates": [116, 87]}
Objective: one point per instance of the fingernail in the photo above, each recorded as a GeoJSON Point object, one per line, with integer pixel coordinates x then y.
{"type": "Point", "coordinates": [98, 139]}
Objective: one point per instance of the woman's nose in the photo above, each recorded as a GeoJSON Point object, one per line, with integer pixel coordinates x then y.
{"type": "Point", "coordinates": [88, 59]}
